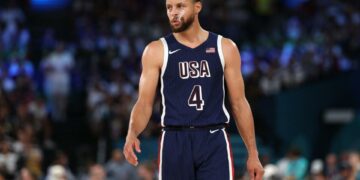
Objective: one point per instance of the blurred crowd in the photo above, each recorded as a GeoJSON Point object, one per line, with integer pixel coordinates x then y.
{"type": "Point", "coordinates": [308, 41]}
{"type": "Point", "coordinates": [283, 44]}
{"type": "Point", "coordinates": [343, 166]}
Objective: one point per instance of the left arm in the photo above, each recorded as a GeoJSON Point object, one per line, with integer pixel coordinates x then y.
{"type": "Point", "coordinates": [240, 106]}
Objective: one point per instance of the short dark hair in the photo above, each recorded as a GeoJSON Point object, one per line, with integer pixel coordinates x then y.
{"type": "Point", "coordinates": [197, 0]}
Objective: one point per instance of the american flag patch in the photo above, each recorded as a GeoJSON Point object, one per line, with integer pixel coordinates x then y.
{"type": "Point", "coordinates": [210, 50]}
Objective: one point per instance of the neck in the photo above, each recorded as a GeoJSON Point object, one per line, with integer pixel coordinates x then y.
{"type": "Point", "coordinates": [195, 33]}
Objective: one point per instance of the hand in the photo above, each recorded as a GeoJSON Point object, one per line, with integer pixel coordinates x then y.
{"type": "Point", "coordinates": [254, 167]}
{"type": "Point", "coordinates": [131, 142]}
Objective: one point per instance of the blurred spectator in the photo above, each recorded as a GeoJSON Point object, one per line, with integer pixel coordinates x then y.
{"type": "Point", "coordinates": [14, 35]}
{"type": "Point", "coordinates": [270, 83]}
{"type": "Point", "coordinates": [62, 160]}
{"type": "Point", "coordinates": [56, 172]}
{"type": "Point", "coordinates": [271, 172]}
{"type": "Point", "coordinates": [25, 175]}
{"type": "Point", "coordinates": [23, 39]}
{"type": "Point", "coordinates": [8, 160]}
{"type": "Point", "coordinates": [24, 138]}
{"type": "Point", "coordinates": [118, 168]}
{"type": "Point", "coordinates": [354, 161]}
{"type": "Point", "coordinates": [31, 156]}
{"type": "Point", "coordinates": [97, 172]}
{"type": "Point", "coordinates": [146, 171]}
{"type": "Point", "coordinates": [37, 109]}
{"type": "Point", "coordinates": [23, 118]}
{"type": "Point", "coordinates": [96, 102]}
{"type": "Point", "coordinates": [283, 165]}
{"type": "Point", "coordinates": [316, 170]}
{"type": "Point", "coordinates": [297, 166]}
{"type": "Point", "coordinates": [331, 168]}
{"type": "Point", "coordinates": [293, 74]}
{"type": "Point", "coordinates": [33, 161]}
{"type": "Point", "coordinates": [12, 13]}
{"type": "Point", "coordinates": [57, 68]}
{"type": "Point", "coordinates": [345, 171]}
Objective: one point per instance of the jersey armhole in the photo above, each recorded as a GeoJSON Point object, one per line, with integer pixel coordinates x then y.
{"type": "Point", "coordinates": [222, 60]}
{"type": "Point", "coordinates": [166, 56]}
{"type": "Point", "coordinates": [163, 69]}
{"type": "Point", "coordinates": [220, 50]}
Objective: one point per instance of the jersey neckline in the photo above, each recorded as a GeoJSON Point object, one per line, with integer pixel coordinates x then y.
{"type": "Point", "coordinates": [187, 47]}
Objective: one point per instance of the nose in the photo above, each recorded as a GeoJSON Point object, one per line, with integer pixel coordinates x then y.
{"type": "Point", "coordinates": [174, 13]}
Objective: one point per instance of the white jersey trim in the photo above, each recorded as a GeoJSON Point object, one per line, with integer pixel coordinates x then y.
{"type": "Point", "coordinates": [163, 68]}
{"type": "Point", "coordinates": [219, 46]}
{"type": "Point", "coordinates": [222, 60]}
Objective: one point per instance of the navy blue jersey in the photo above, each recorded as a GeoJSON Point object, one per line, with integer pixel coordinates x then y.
{"type": "Point", "coordinates": [192, 83]}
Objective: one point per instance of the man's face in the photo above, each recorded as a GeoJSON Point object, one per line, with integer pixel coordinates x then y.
{"type": "Point", "coordinates": [181, 14]}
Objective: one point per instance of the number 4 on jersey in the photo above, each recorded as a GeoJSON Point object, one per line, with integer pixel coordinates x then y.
{"type": "Point", "coordinates": [196, 99]}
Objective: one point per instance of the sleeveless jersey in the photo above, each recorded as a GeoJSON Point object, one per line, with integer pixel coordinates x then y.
{"type": "Point", "coordinates": [192, 83]}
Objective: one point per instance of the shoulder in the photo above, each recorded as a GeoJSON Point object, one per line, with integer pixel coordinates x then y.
{"type": "Point", "coordinates": [230, 52]}
{"type": "Point", "coordinates": [154, 48]}
{"type": "Point", "coordinates": [229, 45]}
{"type": "Point", "coordinates": [154, 52]}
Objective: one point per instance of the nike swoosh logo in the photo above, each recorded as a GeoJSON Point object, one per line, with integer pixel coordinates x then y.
{"type": "Point", "coordinates": [172, 52]}
{"type": "Point", "coordinates": [214, 131]}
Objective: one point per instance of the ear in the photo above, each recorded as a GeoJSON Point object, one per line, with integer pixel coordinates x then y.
{"type": "Point", "coordinates": [198, 7]}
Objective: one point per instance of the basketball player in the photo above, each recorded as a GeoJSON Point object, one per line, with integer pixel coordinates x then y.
{"type": "Point", "coordinates": [193, 65]}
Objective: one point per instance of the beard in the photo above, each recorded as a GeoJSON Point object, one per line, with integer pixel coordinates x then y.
{"type": "Point", "coordinates": [184, 24]}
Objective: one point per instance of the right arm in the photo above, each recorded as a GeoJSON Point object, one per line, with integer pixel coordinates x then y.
{"type": "Point", "coordinates": [141, 112]}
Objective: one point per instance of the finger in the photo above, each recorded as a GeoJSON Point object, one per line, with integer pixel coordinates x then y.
{"type": "Point", "coordinates": [126, 154]}
{"type": "Point", "coordinates": [259, 174]}
{"type": "Point", "coordinates": [137, 146]}
{"type": "Point", "coordinates": [130, 156]}
{"type": "Point", "coordinates": [133, 157]}
{"type": "Point", "coordinates": [252, 174]}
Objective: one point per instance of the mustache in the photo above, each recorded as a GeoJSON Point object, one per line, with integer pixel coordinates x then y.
{"type": "Point", "coordinates": [177, 18]}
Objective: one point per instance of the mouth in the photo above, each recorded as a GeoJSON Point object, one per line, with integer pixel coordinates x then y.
{"type": "Point", "coordinates": [175, 21]}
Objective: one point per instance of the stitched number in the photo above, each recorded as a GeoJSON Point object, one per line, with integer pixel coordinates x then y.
{"type": "Point", "coordinates": [196, 99]}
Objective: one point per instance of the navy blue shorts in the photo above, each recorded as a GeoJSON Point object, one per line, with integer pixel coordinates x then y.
{"type": "Point", "coordinates": [203, 154]}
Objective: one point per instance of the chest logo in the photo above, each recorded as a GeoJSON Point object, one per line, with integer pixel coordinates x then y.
{"type": "Point", "coordinates": [174, 51]}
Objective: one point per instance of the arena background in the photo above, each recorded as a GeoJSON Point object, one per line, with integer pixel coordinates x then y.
{"type": "Point", "coordinates": [69, 71]}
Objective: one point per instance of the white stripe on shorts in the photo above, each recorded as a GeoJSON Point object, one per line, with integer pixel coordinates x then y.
{"type": "Point", "coordinates": [228, 154]}
{"type": "Point", "coordinates": [161, 154]}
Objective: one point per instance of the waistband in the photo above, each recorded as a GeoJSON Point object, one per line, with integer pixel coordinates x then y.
{"type": "Point", "coordinates": [195, 128]}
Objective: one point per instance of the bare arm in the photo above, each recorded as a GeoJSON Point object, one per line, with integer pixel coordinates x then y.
{"type": "Point", "coordinates": [240, 106]}
{"type": "Point", "coordinates": [141, 112]}
{"type": "Point", "coordinates": [142, 109]}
